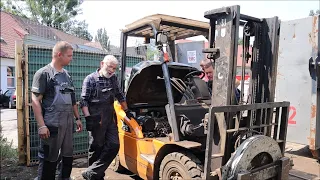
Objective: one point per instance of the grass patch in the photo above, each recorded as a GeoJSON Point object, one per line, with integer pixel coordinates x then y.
{"type": "Point", "coordinates": [7, 152]}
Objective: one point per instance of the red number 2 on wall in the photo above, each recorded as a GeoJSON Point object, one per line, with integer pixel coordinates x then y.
{"type": "Point", "coordinates": [292, 114]}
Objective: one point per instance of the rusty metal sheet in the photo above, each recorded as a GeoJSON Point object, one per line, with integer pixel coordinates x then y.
{"type": "Point", "coordinates": [297, 79]}
{"type": "Point", "coordinates": [183, 50]}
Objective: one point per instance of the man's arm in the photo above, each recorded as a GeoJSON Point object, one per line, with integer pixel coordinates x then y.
{"type": "Point", "coordinates": [119, 94]}
{"type": "Point", "coordinates": [85, 111]}
{"type": "Point", "coordinates": [74, 101]}
{"type": "Point", "coordinates": [76, 114]}
{"type": "Point", "coordinates": [124, 105]}
{"type": "Point", "coordinates": [38, 89]}
{"type": "Point", "coordinates": [75, 109]}
{"type": "Point", "coordinates": [37, 110]}
{"type": "Point", "coordinates": [43, 131]}
{"type": "Point", "coordinates": [85, 96]}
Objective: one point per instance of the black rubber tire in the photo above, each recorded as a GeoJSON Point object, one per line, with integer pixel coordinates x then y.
{"type": "Point", "coordinates": [186, 164]}
{"type": "Point", "coordinates": [116, 166]}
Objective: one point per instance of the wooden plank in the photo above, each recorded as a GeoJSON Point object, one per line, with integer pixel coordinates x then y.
{"type": "Point", "coordinates": [26, 105]}
{"type": "Point", "coordinates": [19, 101]}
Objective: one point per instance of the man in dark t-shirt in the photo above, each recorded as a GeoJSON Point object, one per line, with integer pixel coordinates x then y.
{"type": "Point", "coordinates": [54, 106]}
{"type": "Point", "coordinates": [43, 82]}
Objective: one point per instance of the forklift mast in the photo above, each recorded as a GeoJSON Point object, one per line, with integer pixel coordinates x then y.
{"type": "Point", "coordinates": [223, 49]}
{"type": "Point", "coordinates": [256, 116]}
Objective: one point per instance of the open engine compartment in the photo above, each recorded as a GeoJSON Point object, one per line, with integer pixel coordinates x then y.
{"type": "Point", "coordinates": [153, 121]}
{"type": "Point", "coordinates": [147, 98]}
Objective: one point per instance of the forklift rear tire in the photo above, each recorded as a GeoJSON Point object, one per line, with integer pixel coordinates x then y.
{"type": "Point", "coordinates": [180, 165]}
{"type": "Point", "coordinates": [115, 165]}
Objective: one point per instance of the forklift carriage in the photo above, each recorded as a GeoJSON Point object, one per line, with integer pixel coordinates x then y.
{"type": "Point", "coordinates": [182, 131]}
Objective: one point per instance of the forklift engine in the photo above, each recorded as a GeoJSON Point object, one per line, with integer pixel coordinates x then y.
{"type": "Point", "coordinates": [154, 126]}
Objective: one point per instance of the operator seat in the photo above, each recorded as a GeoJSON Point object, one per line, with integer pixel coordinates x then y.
{"type": "Point", "coordinates": [200, 89]}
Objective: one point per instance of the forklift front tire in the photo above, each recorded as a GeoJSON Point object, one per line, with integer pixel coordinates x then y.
{"type": "Point", "coordinates": [180, 165]}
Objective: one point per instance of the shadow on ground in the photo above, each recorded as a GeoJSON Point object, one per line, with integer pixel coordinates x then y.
{"type": "Point", "coordinates": [302, 151]}
{"type": "Point", "coordinates": [82, 163]}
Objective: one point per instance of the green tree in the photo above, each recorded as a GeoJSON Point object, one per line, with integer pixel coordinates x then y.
{"type": "Point", "coordinates": [152, 50]}
{"type": "Point", "coordinates": [12, 7]}
{"type": "Point", "coordinates": [59, 14]}
{"type": "Point", "coordinates": [78, 29]}
{"type": "Point", "coordinates": [240, 41]}
{"type": "Point", "coordinates": [312, 13]}
{"type": "Point", "coordinates": [53, 12]}
{"type": "Point", "coordinates": [103, 38]}
{"type": "Point", "coordinates": [151, 53]}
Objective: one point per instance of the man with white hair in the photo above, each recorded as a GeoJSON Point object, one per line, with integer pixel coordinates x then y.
{"type": "Point", "coordinates": [98, 92]}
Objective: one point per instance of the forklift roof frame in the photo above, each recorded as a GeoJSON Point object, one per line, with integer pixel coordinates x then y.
{"type": "Point", "coordinates": [149, 26]}
{"type": "Point", "coordinates": [178, 27]}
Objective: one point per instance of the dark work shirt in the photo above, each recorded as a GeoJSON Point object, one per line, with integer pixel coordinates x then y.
{"type": "Point", "coordinates": [89, 86]}
{"type": "Point", "coordinates": [237, 92]}
{"type": "Point", "coordinates": [209, 84]}
{"type": "Point", "coordinates": [43, 84]}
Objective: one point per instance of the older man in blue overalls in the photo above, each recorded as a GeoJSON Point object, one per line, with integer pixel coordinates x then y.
{"type": "Point", "coordinates": [98, 92]}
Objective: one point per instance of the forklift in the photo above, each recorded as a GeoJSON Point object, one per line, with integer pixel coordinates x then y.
{"type": "Point", "coordinates": [179, 129]}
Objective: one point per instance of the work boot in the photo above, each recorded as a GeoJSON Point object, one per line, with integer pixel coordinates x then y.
{"type": "Point", "coordinates": [49, 170]}
{"type": "Point", "coordinates": [89, 176]}
{"type": "Point", "coordinates": [86, 175]}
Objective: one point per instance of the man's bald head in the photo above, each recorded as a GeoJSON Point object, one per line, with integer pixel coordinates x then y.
{"type": "Point", "coordinates": [62, 53]}
{"type": "Point", "coordinates": [209, 69]}
{"type": "Point", "coordinates": [203, 63]}
{"type": "Point", "coordinates": [207, 63]}
{"type": "Point", "coordinates": [61, 47]}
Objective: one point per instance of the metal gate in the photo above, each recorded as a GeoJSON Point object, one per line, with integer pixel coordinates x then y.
{"type": "Point", "coordinates": [29, 59]}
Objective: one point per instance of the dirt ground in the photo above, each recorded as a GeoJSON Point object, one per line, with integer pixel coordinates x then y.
{"type": "Point", "coordinates": [305, 167]}
{"type": "Point", "coordinates": [11, 171]}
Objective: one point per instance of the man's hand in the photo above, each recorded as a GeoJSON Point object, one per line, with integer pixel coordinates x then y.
{"type": "Point", "coordinates": [92, 122]}
{"type": "Point", "coordinates": [129, 114]}
{"type": "Point", "coordinates": [44, 132]}
{"type": "Point", "coordinates": [79, 125]}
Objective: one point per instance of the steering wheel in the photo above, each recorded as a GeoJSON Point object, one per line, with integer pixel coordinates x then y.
{"type": "Point", "coordinates": [194, 73]}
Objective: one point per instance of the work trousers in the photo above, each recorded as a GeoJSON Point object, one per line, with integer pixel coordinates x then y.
{"type": "Point", "coordinates": [103, 146]}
